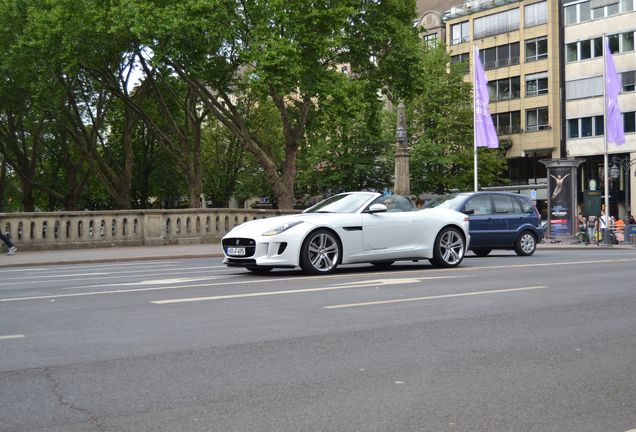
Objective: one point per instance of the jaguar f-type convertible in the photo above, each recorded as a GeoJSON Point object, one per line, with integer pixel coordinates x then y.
{"type": "Point", "coordinates": [352, 227]}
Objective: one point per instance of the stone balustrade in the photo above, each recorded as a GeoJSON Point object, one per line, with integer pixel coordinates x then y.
{"type": "Point", "coordinates": [85, 229]}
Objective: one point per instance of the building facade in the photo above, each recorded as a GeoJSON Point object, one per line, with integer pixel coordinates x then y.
{"type": "Point", "coordinates": [518, 44]}
{"type": "Point", "coordinates": [585, 24]}
{"type": "Point", "coordinates": [430, 19]}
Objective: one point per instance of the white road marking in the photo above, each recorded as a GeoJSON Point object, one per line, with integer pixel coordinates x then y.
{"type": "Point", "coordinates": [380, 282]}
{"type": "Point", "coordinates": [22, 278]}
{"type": "Point", "coordinates": [11, 337]}
{"type": "Point", "coordinates": [436, 297]}
{"type": "Point", "coordinates": [270, 280]}
{"type": "Point", "coordinates": [111, 276]}
{"type": "Point", "coordinates": [167, 281]}
{"type": "Point", "coordinates": [90, 266]}
{"type": "Point", "coordinates": [296, 291]}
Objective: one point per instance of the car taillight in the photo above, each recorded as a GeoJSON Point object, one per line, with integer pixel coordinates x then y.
{"type": "Point", "coordinates": [466, 219]}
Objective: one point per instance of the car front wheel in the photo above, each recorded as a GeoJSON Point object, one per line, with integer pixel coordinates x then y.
{"type": "Point", "coordinates": [526, 244]}
{"type": "Point", "coordinates": [449, 248]}
{"type": "Point", "coordinates": [320, 252]}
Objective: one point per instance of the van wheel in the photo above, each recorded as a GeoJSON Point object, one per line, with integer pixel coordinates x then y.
{"type": "Point", "coordinates": [482, 252]}
{"type": "Point", "coordinates": [526, 244]}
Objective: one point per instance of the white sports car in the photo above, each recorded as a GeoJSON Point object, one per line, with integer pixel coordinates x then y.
{"type": "Point", "coordinates": [352, 227]}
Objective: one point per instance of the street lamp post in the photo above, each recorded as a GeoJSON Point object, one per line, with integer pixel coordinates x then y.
{"type": "Point", "coordinates": [614, 174]}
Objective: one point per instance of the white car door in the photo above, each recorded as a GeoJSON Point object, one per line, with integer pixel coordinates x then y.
{"type": "Point", "coordinates": [390, 234]}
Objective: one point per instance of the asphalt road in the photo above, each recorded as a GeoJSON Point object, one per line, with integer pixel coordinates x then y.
{"type": "Point", "coordinates": [503, 343]}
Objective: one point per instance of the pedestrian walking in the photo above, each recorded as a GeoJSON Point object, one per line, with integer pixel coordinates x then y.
{"type": "Point", "coordinates": [5, 239]}
{"type": "Point", "coordinates": [603, 225]}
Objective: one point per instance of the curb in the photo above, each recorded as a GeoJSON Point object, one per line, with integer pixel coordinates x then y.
{"type": "Point", "coordinates": [108, 260]}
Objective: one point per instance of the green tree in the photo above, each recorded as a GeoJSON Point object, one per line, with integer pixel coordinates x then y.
{"type": "Point", "coordinates": [239, 55]}
{"type": "Point", "coordinates": [349, 143]}
{"type": "Point", "coordinates": [441, 131]}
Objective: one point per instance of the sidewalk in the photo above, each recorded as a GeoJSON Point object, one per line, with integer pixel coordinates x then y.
{"type": "Point", "coordinates": [109, 254]}
{"type": "Point", "coordinates": [145, 253]}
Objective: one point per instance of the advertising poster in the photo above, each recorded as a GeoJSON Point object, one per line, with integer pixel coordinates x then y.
{"type": "Point", "coordinates": [560, 191]}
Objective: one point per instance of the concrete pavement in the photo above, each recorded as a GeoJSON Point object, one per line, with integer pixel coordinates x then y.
{"type": "Point", "coordinates": [144, 253]}
{"type": "Point", "coordinates": [109, 254]}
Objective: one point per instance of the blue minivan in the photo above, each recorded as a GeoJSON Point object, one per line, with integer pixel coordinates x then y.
{"type": "Point", "coordinates": [498, 220]}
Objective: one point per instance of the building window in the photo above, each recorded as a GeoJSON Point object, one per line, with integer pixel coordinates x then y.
{"type": "Point", "coordinates": [628, 79]}
{"type": "Point", "coordinates": [586, 49]}
{"type": "Point", "coordinates": [627, 42]}
{"type": "Point", "coordinates": [584, 88]}
{"type": "Point", "coordinates": [431, 40]}
{"type": "Point", "coordinates": [459, 33]}
{"type": "Point", "coordinates": [503, 55]}
{"type": "Point", "coordinates": [629, 121]}
{"type": "Point", "coordinates": [605, 11]}
{"type": "Point", "coordinates": [622, 42]}
{"type": "Point", "coordinates": [536, 49]}
{"type": "Point", "coordinates": [507, 123]}
{"type": "Point", "coordinates": [627, 6]}
{"type": "Point", "coordinates": [586, 127]}
{"type": "Point", "coordinates": [502, 22]}
{"type": "Point", "coordinates": [599, 126]}
{"type": "Point", "coordinates": [535, 14]}
{"type": "Point", "coordinates": [504, 89]}
{"type": "Point", "coordinates": [573, 128]}
{"type": "Point", "coordinates": [537, 84]}
{"type": "Point", "coordinates": [460, 58]}
{"type": "Point", "coordinates": [463, 59]}
{"type": "Point", "coordinates": [577, 13]}
{"type": "Point", "coordinates": [537, 119]}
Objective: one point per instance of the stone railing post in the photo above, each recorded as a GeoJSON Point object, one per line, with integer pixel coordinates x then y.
{"type": "Point", "coordinates": [153, 229]}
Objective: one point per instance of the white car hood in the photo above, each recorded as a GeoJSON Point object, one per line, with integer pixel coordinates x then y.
{"type": "Point", "coordinates": [259, 226]}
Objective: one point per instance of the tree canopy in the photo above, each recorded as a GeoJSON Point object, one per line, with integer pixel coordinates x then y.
{"type": "Point", "coordinates": [123, 103]}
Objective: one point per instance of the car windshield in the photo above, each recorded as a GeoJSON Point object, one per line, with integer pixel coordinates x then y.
{"type": "Point", "coordinates": [343, 203]}
{"type": "Point", "coordinates": [446, 201]}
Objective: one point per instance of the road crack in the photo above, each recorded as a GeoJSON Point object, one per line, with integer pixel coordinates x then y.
{"type": "Point", "coordinates": [55, 389]}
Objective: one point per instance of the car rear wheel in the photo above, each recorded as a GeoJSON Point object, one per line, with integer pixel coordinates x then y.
{"type": "Point", "coordinates": [526, 244]}
{"type": "Point", "coordinates": [449, 248]}
{"type": "Point", "coordinates": [320, 252]}
{"type": "Point", "coordinates": [482, 252]}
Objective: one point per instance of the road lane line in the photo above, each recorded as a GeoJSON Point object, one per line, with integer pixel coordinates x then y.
{"type": "Point", "coordinates": [270, 280]}
{"type": "Point", "coordinates": [11, 284]}
{"type": "Point", "coordinates": [115, 273]}
{"type": "Point", "coordinates": [11, 337]}
{"type": "Point", "coordinates": [296, 291]}
{"type": "Point", "coordinates": [436, 297]}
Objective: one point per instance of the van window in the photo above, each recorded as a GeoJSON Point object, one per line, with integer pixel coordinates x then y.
{"type": "Point", "coordinates": [526, 207]}
{"type": "Point", "coordinates": [503, 204]}
{"type": "Point", "coordinates": [480, 204]}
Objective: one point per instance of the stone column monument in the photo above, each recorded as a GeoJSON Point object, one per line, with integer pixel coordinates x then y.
{"type": "Point", "coordinates": [402, 178]}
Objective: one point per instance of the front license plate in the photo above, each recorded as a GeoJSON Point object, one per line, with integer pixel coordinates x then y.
{"type": "Point", "coordinates": [238, 251]}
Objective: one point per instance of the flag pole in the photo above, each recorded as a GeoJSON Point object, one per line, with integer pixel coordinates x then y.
{"type": "Point", "coordinates": [476, 184]}
{"type": "Point", "coordinates": [605, 157]}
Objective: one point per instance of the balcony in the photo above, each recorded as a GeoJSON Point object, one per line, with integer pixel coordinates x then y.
{"type": "Point", "coordinates": [474, 6]}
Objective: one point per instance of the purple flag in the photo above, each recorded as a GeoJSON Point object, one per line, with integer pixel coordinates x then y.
{"type": "Point", "coordinates": [485, 134]}
{"type": "Point", "coordinates": [615, 131]}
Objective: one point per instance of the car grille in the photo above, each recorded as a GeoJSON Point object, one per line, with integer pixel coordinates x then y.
{"type": "Point", "coordinates": [247, 243]}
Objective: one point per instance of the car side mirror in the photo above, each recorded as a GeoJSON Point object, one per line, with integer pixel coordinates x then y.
{"type": "Point", "coordinates": [377, 208]}
{"type": "Point", "coordinates": [469, 212]}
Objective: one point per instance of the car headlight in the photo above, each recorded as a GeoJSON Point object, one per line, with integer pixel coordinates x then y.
{"type": "Point", "coordinates": [281, 228]}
